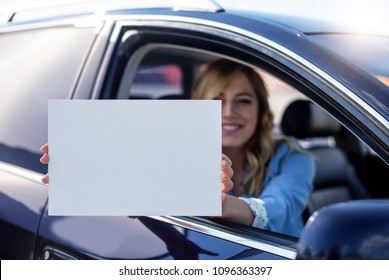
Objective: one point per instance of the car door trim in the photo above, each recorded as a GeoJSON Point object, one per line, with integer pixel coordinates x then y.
{"type": "Point", "coordinates": [21, 172]}
{"type": "Point", "coordinates": [279, 250]}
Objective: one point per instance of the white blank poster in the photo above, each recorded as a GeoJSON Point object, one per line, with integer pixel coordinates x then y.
{"type": "Point", "coordinates": [135, 157]}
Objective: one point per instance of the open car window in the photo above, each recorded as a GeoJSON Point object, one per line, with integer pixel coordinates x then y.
{"type": "Point", "coordinates": [160, 69]}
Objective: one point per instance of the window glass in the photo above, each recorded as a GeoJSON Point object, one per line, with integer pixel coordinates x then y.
{"type": "Point", "coordinates": [36, 65]}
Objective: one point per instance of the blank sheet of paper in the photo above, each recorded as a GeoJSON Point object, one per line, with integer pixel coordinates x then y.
{"type": "Point", "coordinates": [135, 157]}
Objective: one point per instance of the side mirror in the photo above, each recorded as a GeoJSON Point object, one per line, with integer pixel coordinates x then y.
{"type": "Point", "coordinates": [348, 230]}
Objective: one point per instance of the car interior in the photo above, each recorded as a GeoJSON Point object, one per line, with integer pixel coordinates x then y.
{"type": "Point", "coordinates": [167, 72]}
{"type": "Point", "coordinates": [335, 179]}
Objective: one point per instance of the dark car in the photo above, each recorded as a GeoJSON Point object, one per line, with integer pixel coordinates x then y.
{"type": "Point", "coordinates": [328, 87]}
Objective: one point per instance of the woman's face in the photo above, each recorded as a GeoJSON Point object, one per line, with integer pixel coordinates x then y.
{"type": "Point", "coordinates": [239, 112]}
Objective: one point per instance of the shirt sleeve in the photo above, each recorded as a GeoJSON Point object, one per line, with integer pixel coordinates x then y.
{"type": "Point", "coordinates": [286, 193]}
{"type": "Point", "coordinates": [259, 211]}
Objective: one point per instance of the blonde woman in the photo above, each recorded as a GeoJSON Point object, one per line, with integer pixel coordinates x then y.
{"type": "Point", "coordinates": [265, 182]}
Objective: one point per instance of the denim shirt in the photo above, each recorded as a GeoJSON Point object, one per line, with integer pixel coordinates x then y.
{"type": "Point", "coordinates": [287, 186]}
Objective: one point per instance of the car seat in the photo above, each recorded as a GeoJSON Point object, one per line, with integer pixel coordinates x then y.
{"type": "Point", "coordinates": [335, 179]}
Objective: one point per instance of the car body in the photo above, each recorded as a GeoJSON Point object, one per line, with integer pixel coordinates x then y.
{"type": "Point", "coordinates": [122, 50]}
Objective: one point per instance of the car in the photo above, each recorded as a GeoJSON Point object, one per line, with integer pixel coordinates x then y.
{"type": "Point", "coordinates": [328, 88]}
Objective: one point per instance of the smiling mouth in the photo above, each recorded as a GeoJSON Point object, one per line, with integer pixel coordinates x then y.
{"type": "Point", "coordinates": [230, 128]}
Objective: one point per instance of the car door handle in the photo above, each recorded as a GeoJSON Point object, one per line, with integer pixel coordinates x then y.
{"type": "Point", "coordinates": [50, 253]}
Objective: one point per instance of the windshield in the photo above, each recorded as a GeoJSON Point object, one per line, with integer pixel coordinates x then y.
{"type": "Point", "coordinates": [371, 53]}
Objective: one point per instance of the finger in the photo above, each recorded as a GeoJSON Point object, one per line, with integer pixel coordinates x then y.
{"type": "Point", "coordinates": [44, 159]}
{"type": "Point", "coordinates": [45, 179]}
{"type": "Point", "coordinates": [45, 148]}
{"type": "Point", "coordinates": [227, 184]}
{"type": "Point", "coordinates": [227, 159]}
{"type": "Point", "coordinates": [227, 169]}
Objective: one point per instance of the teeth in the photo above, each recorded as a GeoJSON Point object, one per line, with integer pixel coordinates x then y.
{"type": "Point", "coordinates": [230, 127]}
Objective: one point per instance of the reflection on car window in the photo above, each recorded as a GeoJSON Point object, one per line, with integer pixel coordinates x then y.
{"type": "Point", "coordinates": [35, 57]}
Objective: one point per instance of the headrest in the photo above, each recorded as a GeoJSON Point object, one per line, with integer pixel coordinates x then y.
{"type": "Point", "coordinates": [304, 119]}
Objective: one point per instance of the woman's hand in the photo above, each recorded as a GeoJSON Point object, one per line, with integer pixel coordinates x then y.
{"type": "Point", "coordinates": [233, 208]}
{"type": "Point", "coordinates": [45, 160]}
{"type": "Point", "coordinates": [227, 173]}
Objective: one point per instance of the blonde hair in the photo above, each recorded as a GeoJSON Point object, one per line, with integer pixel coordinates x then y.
{"type": "Point", "coordinates": [260, 147]}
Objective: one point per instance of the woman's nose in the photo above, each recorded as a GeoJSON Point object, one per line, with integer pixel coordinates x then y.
{"type": "Point", "coordinates": [228, 108]}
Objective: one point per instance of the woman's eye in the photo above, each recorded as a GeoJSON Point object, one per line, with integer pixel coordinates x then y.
{"type": "Point", "coordinates": [244, 101]}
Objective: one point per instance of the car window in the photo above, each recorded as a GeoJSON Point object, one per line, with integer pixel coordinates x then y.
{"type": "Point", "coordinates": [36, 65]}
{"type": "Point", "coordinates": [146, 67]}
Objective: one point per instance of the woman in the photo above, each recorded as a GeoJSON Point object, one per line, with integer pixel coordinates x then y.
{"type": "Point", "coordinates": [271, 179]}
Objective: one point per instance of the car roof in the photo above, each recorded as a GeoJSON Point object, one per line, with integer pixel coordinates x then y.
{"type": "Point", "coordinates": [307, 16]}
{"type": "Point", "coordinates": [362, 16]}
{"type": "Point", "coordinates": [30, 11]}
